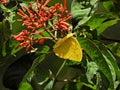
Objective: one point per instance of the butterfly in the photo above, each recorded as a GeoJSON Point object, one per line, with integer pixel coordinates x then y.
{"type": "Point", "coordinates": [68, 48]}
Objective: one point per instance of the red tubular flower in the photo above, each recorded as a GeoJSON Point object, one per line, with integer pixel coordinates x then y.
{"type": "Point", "coordinates": [62, 24]}
{"type": "Point", "coordinates": [65, 8]}
{"type": "Point", "coordinates": [47, 1]}
{"type": "Point", "coordinates": [37, 17]}
{"type": "Point", "coordinates": [3, 2]}
{"type": "Point", "coordinates": [21, 36]}
{"type": "Point", "coordinates": [24, 39]}
{"type": "Point", "coordinates": [41, 41]}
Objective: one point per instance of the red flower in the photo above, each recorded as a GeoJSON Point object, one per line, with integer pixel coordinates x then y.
{"type": "Point", "coordinates": [37, 17]}
{"type": "Point", "coordinates": [41, 41]}
{"type": "Point", "coordinates": [21, 36]}
{"type": "Point", "coordinates": [3, 2]}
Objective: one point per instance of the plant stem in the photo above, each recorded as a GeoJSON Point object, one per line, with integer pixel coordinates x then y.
{"type": "Point", "coordinates": [47, 30]}
{"type": "Point", "coordinates": [61, 67]}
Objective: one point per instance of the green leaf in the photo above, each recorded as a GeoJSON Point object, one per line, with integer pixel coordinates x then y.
{"type": "Point", "coordinates": [97, 56]}
{"type": "Point", "coordinates": [111, 68]}
{"type": "Point", "coordinates": [17, 27]}
{"type": "Point", "coordinates": [25, 86]}
{"type": "Point", "coordinates": [111, 59]}
{"type": "Point", "coordinates": [9, 47]}
{"type": "Point", "coordinates": [109, 6]}
{"type": "Point", "coordinates": [91, 71]}
{"type": "Point", "coordinates": [36, 62]}
{"type": "Point", "coordinates": [12, 45]}
{"type": "Point", "coordinates": [78, 85]}
{"type": "Point", "coordinates": [46, 79]}
{"type": "Point", "coordinates": [9, 14]}
{"type": "Point", "coordinates": [4, 53]}
{"type": "Point", "coordinates": [83, 10]}
{"type": "Point", "coordinates": [96, 20]}
{"type": "Point", "coordinates": [6, 42]}
{"type": "Point", "coordinates": [115, 48]}
{"type": "Point", "coordinates": [90, 86]}
{"type": "Point", "coordinates": [49, 85]}
{"type": "Point", "coordinates": [105, 25]}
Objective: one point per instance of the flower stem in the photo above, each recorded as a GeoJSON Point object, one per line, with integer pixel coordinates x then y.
{"type": "Point", "coordinates": [46, 29]}
{"type": "Point", "coordinates": [61, 67]}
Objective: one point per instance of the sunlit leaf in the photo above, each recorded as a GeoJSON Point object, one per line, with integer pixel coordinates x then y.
{"type": "Point", "coordinates": [83, 10]}
{"type": "Point", "coordinates": [9, 14]}
{"type": "Point", "coordinates": [91, 71]}
{"type": "Point", "coordinates": [105, 25]}
{"type": "Point", "coordinates": [109, 6]}
{"type": "Point", "coordinates": [115, 48]}
{"type": "Point", "coordinates": [96, 21]}
{"type": "Point", "coordinates": [25, 86]}
{"type": "Point", "coordinates": [89, 85]}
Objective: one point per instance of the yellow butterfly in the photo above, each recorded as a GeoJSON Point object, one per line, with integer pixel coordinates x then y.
{"type": "Point", "coordinates": [68, 48]}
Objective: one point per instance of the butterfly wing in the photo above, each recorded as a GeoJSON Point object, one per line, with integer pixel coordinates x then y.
{"type": "Point", "coordinates": [76, 50]}
{"type": "Point", "coordinates": [68, 48]}
{"type": "Point", "coordinates": [61, 48]}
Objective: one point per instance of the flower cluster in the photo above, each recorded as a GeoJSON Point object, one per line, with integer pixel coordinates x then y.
{"type": "Point", "coordinates": [3, 2]}
{"type": "Point", "coordinates": [39, 19]}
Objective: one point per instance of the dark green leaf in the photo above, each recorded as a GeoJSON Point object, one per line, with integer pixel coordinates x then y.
{"type": "Point", "coordinates": [17, 27]}
{"type": "Point", "coordinates": [49, 85]}
{"type": "Point", "coordinates": [111, 59]}
{"type": "Point", "coordinates": [36, 62]}
{"type": "Point", "coordinates": [96, 55]}
{"type": "Point", "coordinates": [5, 36]}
